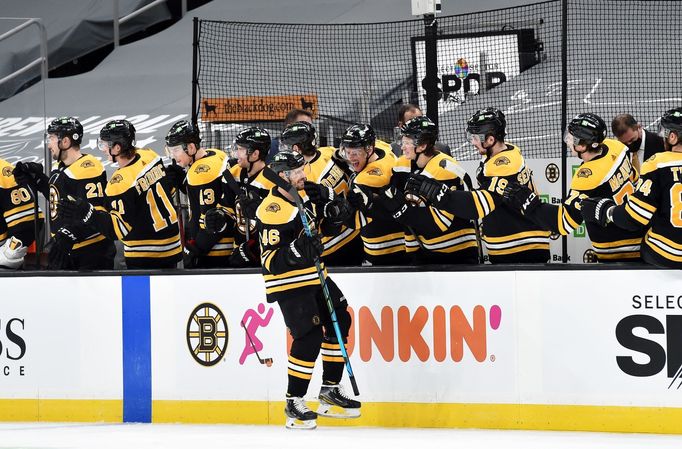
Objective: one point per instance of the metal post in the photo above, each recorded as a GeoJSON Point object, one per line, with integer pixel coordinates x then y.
{"type": "Point", "coordinates": [195, 71]}
{"type": "Point", "coordinates": [430, 82]}
{"type": "Point", "coordinates": [564, 106]}
{"type": "Point", "coordinates": [46, 166]}
{"type": "Point", "coordinates": [183, 8]}
{"type": "Point", "coordinates": [116, 35]}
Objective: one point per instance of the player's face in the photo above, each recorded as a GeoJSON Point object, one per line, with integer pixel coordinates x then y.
{"type": "Point", "coordinates": [178, 154]}
{"type": "Point", "coordinates": [409, 147]}
{"type": "Point", "coordinates": [243, 157]}
{"type": "Point", "coordinates": [106, 148]}
{"type": "Point", "coordinates": [297, 177]}
{"type": "Point", "coordinates": [52, 142]}
{"type": "Point", "coordinates": [356, 157]}
{"type": "Point", "coordinates": [477, 140]}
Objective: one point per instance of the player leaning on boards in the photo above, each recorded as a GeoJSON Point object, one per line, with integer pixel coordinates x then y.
{"type": "Point", "coordinates": [244, 186]}
{"type": "Point", "coordinates": [605, 171]}
{"type": "Point", "coordinates": [289, 259]}
{"type": "Point", "coordinates": [139, 208]}
{"type": "Point", "coordinates": [202, 182]}
{"type": "Point", "coordinates": [325, 181]}
{"type": "Point", "coordinates": [17, 219]}
{"type": "Point", "coordinates": [74, 246]}
{"type": "Point", "coordinates": [656, 205]}
{"type": "Point", "coordinates": [509, 236]}
{"type": "Point", "coordinates": [440, 237]}
{"type": "Point", "coordinates": [383, 238]}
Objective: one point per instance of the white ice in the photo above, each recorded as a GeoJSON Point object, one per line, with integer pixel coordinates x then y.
{"type": "Point", "coordinates": [184, 436]}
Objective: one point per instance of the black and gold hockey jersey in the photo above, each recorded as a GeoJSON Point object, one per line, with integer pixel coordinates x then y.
{"type": "Point", "coordinates": [141, 213]}
{"type": "Point", "coordinates": [17, 208]}
{"type": "Point", "coordinates": [86, 179]}
{"type": "Point", "coordinates": [439, 236]}
{"type": "Point", "coordinates": [609, 175]}
{"type": "Point", "coordinates": [345, 246]}
{"type": "Point", "coordinates": [657, 204]}
{"type": "Point", "coordinates": [383, 238]}
{"type": "Point", "coordinates": [279, 225]}
{"type": "Point", "coordinates": [204, 191]}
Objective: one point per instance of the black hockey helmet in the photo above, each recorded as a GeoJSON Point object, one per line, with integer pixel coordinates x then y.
{"type": "Point", "coordinates": [358, 136]}
{"type": "Point", "coordinates": [120, 132]}
{"type": "Point", "coordinates": [66, 127]}
{"type": "Point", "coordinates": [586, 129]}
{"type": "Point", "coordinates": [671, 121]}
{"type": "Point", "coordinates": [286, 161]}
{"type": "Point", "coordinates": [182, 133]}
{"type": "Point", "coordinates": [487, 122]}
{"type": "Point", "coordinates": [422, 130]}
{"type": "Point", "coordinates": [302, 134]}
{"type": "Point", "coordinates": [254, 138]}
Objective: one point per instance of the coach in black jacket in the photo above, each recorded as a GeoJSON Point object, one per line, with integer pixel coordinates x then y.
{"type": "Point", "coordinates": [642, 143]}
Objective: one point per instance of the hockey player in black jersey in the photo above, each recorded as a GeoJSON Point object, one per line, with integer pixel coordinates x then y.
{"type": "Point", "coordinates": [138, 200]}
{"type": "Point", "coordinates": [606, 171]}
{"type": "Point", "coordinates": [325, 180]}
{"type": "Point", "coordinates": [202, 182]}
{"type": "Point", "coordinates": [74, 246]}
{"type": "Point", "coordinates": [434, 236]}
{"type": "Point", "coordinates": [508, 235]}
{"type": "Point", "coordinates": [288, 259]}
{"type": "Point", "coordinates": [244, 186]}
{"type": "Point", "coordinates": [656, 206]}
{"type": "Point", "coordinates": [17, 218]}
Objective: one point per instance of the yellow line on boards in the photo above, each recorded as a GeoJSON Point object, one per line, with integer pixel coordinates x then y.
{"type": "Point", "coordinates": [62, 410]}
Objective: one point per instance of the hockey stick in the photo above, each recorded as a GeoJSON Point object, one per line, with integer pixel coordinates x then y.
{"type": "Point", "coordinates": [291, 190]}
{"type": "Point", "coordinates": [36, 226]}
{"type": "Point", "coordinates": [264, 361]}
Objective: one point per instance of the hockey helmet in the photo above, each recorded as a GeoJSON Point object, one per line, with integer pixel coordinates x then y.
{"type": "Point", "coordinates": [182, 133]}
{"type": "Point", "coordinates": [120, 132]}
{"type": "Point", "coordinates": [301, 134]}
{"type": "Point", "coordinates": [671, 121]}
{"type": "Point", "coordinates": [422, 130]}
{"type": "Point", "coordinates": [66, 127]}
{"type": "Point", "coordinates": [487, 122]}
{"type": "Point", "coordinates": [358, 136]}
{"type": "Point", "coordinates": [254, 138]}
{"type": "Point", "coordinates": [287, 160]}
{"type": "Point", "coordinates": [585, 129]}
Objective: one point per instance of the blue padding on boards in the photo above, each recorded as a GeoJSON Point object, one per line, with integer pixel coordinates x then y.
{"type": "Point", "coordinates": [137, 350]}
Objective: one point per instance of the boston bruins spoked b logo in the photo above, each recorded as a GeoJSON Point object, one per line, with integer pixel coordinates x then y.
{"type": "Point", "coordinates": [207, 334]}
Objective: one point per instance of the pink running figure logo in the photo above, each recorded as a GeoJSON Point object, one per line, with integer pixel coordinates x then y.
{"type": "Point", "coordinates": [252, 320]}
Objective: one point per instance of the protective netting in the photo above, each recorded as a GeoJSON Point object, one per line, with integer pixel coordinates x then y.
{"type": "Point", "coordinates": [622, 56]}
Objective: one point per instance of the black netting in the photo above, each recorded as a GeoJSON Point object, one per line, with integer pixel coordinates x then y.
{"type": "Point", "coordinates": [621, 57]}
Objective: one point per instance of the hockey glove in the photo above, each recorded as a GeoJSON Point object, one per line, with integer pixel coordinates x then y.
{"type": "Point", "coordinates": [247, 254]}
{"type": "Point", "coordinates": [190, 254]}
{"type": "Point", "coordinates": [176, 176]}
{"type": "Point", "coordinates": [359, 198]}
{"type": "Point", "coordinates": [393, 201]}
{"type": "Point", "coordinates": [60, 248]}
{"type": "Point", "coordinates": [431, 190]}
{"type": "Point", "coordinates": [31, 174]}
{"type": "Point", "coordinates": [215, 220]}
{"type": "Point", "coordinates": [319, 194]}
{"type": "Point", "coordinates": [304, 251]}
{"type": "Point", "coordinates": [597, 210]}
{"type": "Point", "coordinates": [12, 254]}
{"type": "Point", "coordinates": [521, 198]}
{"type": "Point", "coordinates": [337, 211]}
{"type": "Point", "coordinates": [249, 203]}
{"type": "Point", "coordinates": [74, 210]}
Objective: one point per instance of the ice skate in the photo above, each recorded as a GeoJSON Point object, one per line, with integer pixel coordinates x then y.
{"type": "Point", "coordinates": [334, 403]}
{"type": "Point", "coordinates": [299, 416]}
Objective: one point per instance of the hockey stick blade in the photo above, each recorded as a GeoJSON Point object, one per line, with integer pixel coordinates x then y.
{"type": "Point", "coordinates": [267, 361]}
{"type": "Point", "coordinates": [291, 190]}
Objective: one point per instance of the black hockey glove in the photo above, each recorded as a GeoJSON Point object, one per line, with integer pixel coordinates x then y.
{"type": "Point", "coordinates": [597, 210]}
{"type": "Point", "coordinates": [74, 210]}
{"type": "Point", "coordinates": [249, 203]}
{"type": "Point", "coordinates": [430, 189]}
{"type": "Point", "coordinates": [337, 211]}
{"type": "Point", "coordinates": [60, 247]}
{"type": "Point", "coordinates": [247, 254]}
{"type": "Point", "coordinates": [359, 198]}
{"type": "Point", "coordinates": [190, 254]}
{"type": "Point", "coordinates": [393, 201]}
{"type": "Point", "coordinates": [31, 174]}
{"type": "Point", "coordinates": [521, 198]}
{"type": "Point", "coordinates": [304, 250]}
{"type": "Point", "coordinates": [317, 193]}
{"type": "Point", "coordinates": [215, 220]}
{"type": "Point", "coordinates": [176, 176]}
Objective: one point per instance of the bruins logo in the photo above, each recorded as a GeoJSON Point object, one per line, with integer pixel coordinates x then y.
{"type": "Point", "coordinates": [7, 171]}
{"type": "Point", "coordinates": [87, 164]}
{"type": "Point", "coordinates": [116, 179]}
{"type": "Point", "coordinates": [504, 160]}
{"type": "Point", "coordinates": [375, 172]}
{"type": "Point", "coordinates": [653, 156]}
{"type": "Point", "coordinates": [584, 173]}
{"type": "Point", "coordinates": [273, 207]}
{"type": "Point", "coordinates": [202, 168]}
